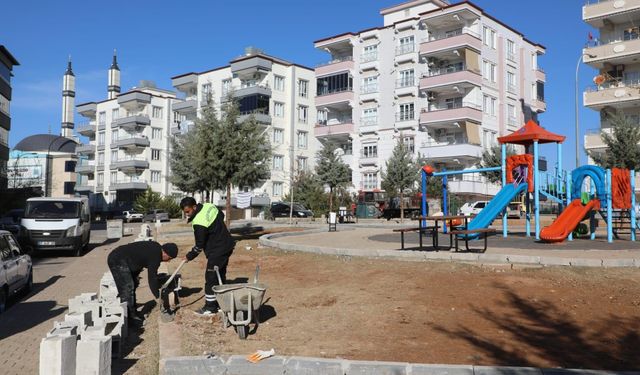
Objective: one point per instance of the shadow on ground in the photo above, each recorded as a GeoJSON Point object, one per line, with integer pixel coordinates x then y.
{"type": "Point", "coordinates": [542, 330]}
{"type": "Point", "coordinates": [27, 315]}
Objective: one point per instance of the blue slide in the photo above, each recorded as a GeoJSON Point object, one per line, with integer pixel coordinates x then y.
{"type": "Point", "coordinates": [494, 208]}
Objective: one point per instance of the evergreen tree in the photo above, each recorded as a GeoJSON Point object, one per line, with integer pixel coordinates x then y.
{"type": "Point", "coordinates": [183, 154]}
{"type": "Point", "coordinates": [147, 201]}
{"type": "Point", "coordinates": [308, 190]}
{"type": "Point", "coordinates": [493, 158]}
{"type": "Point", "coordinates": [331, 170]}
{"type": "Point", "coordinates": [623, 149]}
{"type": "Point", "coordinates": [401, 173]}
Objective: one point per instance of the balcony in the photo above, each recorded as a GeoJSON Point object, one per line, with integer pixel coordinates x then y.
{"type": "Point", "coordinates": [406, 120]}
{"type": "Point", "coordinates": [406, 86]}
{"type": "Point", "coordinates": [132, 142]}
{"type": "Point", "coordinates": [334, 129]}
{"type": "Point", "coordinates": [340, 95]}
{"type": "Point", "coordinates": [186, 83]}
{"type": "Point", "coordinates": [450, 80]}
{"type": "Point", "coordinates": [593, 139]}
{"type": "Point", "coordinates": [470, 184]}
{"type": "Point", "coordinates": [337, 65]}
{"type": "Point", "coordinates": [540, 75]}
{"type": "Point", "coordinates": [618, 49]}
{"type": "Point", "coordinates": [239, 92]}
{"type": "Point", "coordinates": [131, 164]}
{"type": "Point", "coordinates": [86, 148]}
{"type": "Point", "coordinates": [369, 61]}
{"type": "Point", "coordinates": [189, 105]}
{"type": "Point", "coordinates": [539, 104]}
{"type": "Point", "coordinates": [247, 66]}
{"type": "Point", "coordinates": [368, 159]}
{"type": "Point", "coordinates": [405, 53]}
{"type": "Point", "coordinates": [87, 129]}
{"type": "Point", "coordinates": [449, 150]}
{"type": "Point", "coordinates": [261, 116]}
{"type": "Point", "coordinates": [133, 122]}
{"type": "Point", "coordinates": [369, 92]}
{"type": "Point", "coordinates": [129, 184]}
{"type": "Point", "coordinates": [465, 38]}
{"type": "Point", "coordinates": [84, 187]}
{"type": "Point", "coordinates": [368, 124]}
{"type": "Point", "coordinates": [449, 116]}
{"type": "Point", "coordinates": [87, 109]}
{"type": "Point", "coordinates": [134, 100]}
{"type": "Point", "coordinates": [596, 13]}
{"type": "Point", "coordinates": [86, 167]}
{"type": "Point", "coordinates": [615, 94]}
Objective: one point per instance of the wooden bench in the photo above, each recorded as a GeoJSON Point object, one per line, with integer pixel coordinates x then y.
{"type": "Point", "coordinates": [430, 229]}
{"type": "Point", "coordinates": [483, 231]}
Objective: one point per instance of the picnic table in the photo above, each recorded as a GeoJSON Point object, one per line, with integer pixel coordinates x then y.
{"type": "Point", "coordinates": [432, 230]}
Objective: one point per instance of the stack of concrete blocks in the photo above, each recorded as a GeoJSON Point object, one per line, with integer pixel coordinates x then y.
{"type": "Point", "coordinates": [113, 313]}
{"type": "Point", "coordinates": [145, 233]}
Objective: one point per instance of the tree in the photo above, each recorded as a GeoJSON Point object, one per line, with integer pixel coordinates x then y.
{"type": "Point", "coordinates": [309, 191]}
{"type": "Point", "coordinates": [147, 201]}
{"type": "Point", "coordinates": [493, 158]}
{"type": "Point", "coordinates": [331, 170]}
{"type": "Point", "coordinates": [183, 174]}
{"type": "Point", "coordinates": [623, 149]}
{"type": "Point", "coordinates": [401, 173]}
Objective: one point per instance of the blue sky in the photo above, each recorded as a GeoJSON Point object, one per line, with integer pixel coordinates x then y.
{"type": "Point", "coordinates": [157, 40]}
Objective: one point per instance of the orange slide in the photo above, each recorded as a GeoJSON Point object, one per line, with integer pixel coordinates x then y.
{"type": "Point", "coordinates": [568, 220]}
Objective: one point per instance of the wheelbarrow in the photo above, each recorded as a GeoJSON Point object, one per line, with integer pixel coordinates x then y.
{"type": "Point", "coordinates": [239, 303]}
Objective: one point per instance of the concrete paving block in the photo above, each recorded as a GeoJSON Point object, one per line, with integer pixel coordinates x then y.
{"type": "Point", "coordinates": [238, 365]}
{"type": "Point", "coordinates": [64, 331]}
{"type": "Point", "coordinates": [313, 366]}
{"type": "Point", "coordinates": [562, 371]}
{"type": "Point", "coordinates": [58, 355]}
{"type": "Point", "coordinates": [465, 257]}
{"type": "Point", "coordinates": [376, 368]}
{"type": "Point", "coordinates": [586, 262]}
{"type": "Point", "coordinates": [491, 370]}
{"type": "Point", "coordinates": [95, 331]}
{"type": "Point", "coordinates": [441, 370]}
{"type": "Point", "coordinates": [194, 365]}
{"type": "Point", "coordinates": [94, 356]}
{"type": "Point", "coordinates": [81, 319]}
{"type": "Point", "coordinates": [618, 263]}
{"type": "Point", "coordinates": [553, 261]}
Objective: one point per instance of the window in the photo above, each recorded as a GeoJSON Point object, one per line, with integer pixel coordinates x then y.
{"type": "Point", "coordinates": [511, 115]}
{"type": "Point", "coordinates": [102, 118]}
{"type": "Point", "coordinates": [114, 136]}
{"type": "Point", "coordinates": [278, 83]}
{"type": "Point", "coordinates": [100, 179]}
{"type": "Point", "coordinates": [70, 166]}
{"type": "Point", "coordinates": [278, 162]}
{"type": "Point", "coordinates": [511, 82]}
{"type": "Point", "coordinates": [407, 78]}
{"type": "Point", "coordinates": [278, 109]}
{"type": "Point", "coordinates": [370, 151]}
{"type": "Point", "coordinates": [369, 85]}
{"type": "Point", "coordinates": [101, 139]}
{"type": "Point", "coordinates": [409, 143]}
{"type": "Point", "coordinates": [115, 114]}
{"type": "Point", "coordinates": [406, 45]}
{"type": "Point", "coordinates": [69, 187]}
{"type": "Point", "coordinates": [207, 93]}
{"type": "Point", "coordinates": [369, 53]}
{"type": "Point", "coordinates": [303, 88]}
{"type": "Point", "coordinates": [333, 84]}
{"type": "Point", "coordinates": [370, 180]}
{"type": "Point", "coordinates": [534, 61]}
{"type": "Point", "coordinates": [631, 33]}
{"type": "Point", "coordinates": [278, 136]}
{"type": "Point", "coordinates": [369, 117]}
{"type": "Point", "coordinates": [489, 70]}
{"type": "Point", "coordinates": [155, 154]}
{"type": "Point", "coordinates": [489, 105]}
{"type": "Point", "coordinates": [322, 117]}
{"type": "Point", "coordinates": [511, 50]}
{"type": "Point", "coordinates": [156, 112]}
{"type": "Point", "coordinates": [114, 177]}
{"type": "Point", "coordinates": [540, 91]}
{"type": "Point", "coordinates": [453, 103]}
{"type": "Point", "coordinates": [277, 189]}
{"type": "Point", "coordinates": [226, 87]}
{"type": "Point", "coordinates": [303, 113]}
{"type": "Point", "coordinates": [156, 133]}
{"type": "Point", "coordinates": [100, 158]}
{"type": "Point", "coordinates": [302, 139]}
{"type": "Point", "coordinates": [114, 155]}
{"type": "Point", "coordinates": [302, 163]}
{"type": "Point", "coordinates": [489, 37]}
{"type": "Point", "coordinates": [155, 176]}
{"type": "Point", "coordinates": [406, 112]}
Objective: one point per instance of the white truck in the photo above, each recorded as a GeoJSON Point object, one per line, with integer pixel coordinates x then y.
{"type": "Point", "coordinates": [56, 224]}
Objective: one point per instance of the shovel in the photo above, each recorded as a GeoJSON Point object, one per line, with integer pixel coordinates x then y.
{"type": "Point", "coordinates": [167, 315]}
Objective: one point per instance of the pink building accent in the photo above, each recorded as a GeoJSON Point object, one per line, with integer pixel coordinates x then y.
{"type": "Point", "coordinates": [339, 97]}
{"type": "Point", "coordinates": [450, 79]}
{"type": "Point", "coordinates": [449, 115]}
{"type": "Point", "coordinates": [328, 130]}
{"type": "Point", "coordinates": [333, 68]}
{"type": "Point", "coordinates": [462, 40]}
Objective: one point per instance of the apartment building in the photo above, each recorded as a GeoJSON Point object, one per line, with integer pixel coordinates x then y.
{"type": "Point", "coordinates": [7, 62]}
{"type": "Point", "coordinates": [127, 143]}
{"type": "Point", "coordinates": [614, 53]}
{"type": "Point", "coordinates": [445, 79]}
{"type": "Point", "coordinates": [279, 94]}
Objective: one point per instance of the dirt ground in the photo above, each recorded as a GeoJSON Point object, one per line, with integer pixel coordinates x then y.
{"type": "Point", "coordinates": [424, 312]}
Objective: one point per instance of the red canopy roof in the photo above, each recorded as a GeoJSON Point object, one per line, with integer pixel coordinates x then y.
{"type": "Point", "coordinates": [529, 133]}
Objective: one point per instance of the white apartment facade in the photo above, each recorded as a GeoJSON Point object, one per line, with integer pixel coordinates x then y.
{"type": "Point", "coordinates": [280, 95]}
{"type": "Point", "coordinates": [127, 148]}
{"type": "Point", "coordinates": [445, 79]}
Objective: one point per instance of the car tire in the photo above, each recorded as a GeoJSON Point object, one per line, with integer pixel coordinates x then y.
{"type": "Point", "coordinates": [3, 299]}
{"type": "Point", "coordinates": [29, 285]}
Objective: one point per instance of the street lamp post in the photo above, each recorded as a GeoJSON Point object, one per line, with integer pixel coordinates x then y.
{"type": "Point", "coordinates": [576, 102]}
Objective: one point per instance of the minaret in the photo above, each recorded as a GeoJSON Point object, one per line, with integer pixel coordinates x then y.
{"type": "Point", "coordinates": [68, 101]}
{"type": "Point", "coordinates": [114, 78]}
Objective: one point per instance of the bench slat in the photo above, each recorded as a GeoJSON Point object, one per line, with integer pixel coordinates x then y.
{"type": "Point", "coordinates": [470, 231]}
{"type": "Point", "coordinates": [412, 229]}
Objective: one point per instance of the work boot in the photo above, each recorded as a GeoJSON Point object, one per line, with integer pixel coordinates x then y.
{"type": "Point", "coordinates": [134, 318]}
{"type": "Point", "coordinates": [209, 308]}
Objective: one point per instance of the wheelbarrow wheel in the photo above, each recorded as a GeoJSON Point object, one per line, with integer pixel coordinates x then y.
{"type": "Point", "coordinates": [241, 329]}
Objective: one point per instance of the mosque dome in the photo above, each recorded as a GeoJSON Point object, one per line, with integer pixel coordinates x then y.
{"type": "Point", "coordinates": [47, 142]}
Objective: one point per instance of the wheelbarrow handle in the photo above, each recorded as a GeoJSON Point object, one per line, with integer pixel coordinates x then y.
{"type": "Point", "coordinates": [173, 275]}
{"type": "Point", "coordinates": [217, 270]}
{"type": "Point", "coordinates": [255, 277]}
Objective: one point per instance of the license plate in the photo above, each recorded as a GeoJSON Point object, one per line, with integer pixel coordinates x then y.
{"type": "Point", "coordinates": [47, 243]}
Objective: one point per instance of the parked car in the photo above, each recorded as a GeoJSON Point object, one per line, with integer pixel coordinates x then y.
{"type": "Point", "coordinates": [514, 211]}
{"type": "Point", "coordinates": [154, 215]}
{"type": "Point", "coordinates": [16, 268]}
{"type": "Point", "coordinates": [282, 209]}
{"type": "Point", "coordinates": [11, 221]}
{"type": "Point", "coordinates": [472, 208]}
{"type": "Point", "coordinates": [131, 216]}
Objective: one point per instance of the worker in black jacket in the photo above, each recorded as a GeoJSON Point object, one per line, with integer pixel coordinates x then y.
{"type": "Point", "coordinates": [127, 261]}
{"type": "Point", "coordinates": [212, 237]}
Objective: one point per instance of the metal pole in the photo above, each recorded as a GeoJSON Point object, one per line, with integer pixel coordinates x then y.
{"type": "Point", "coordinates": [577, 118]}
{"type": "Point", "coordinates": [609, 208]}
{"type": "Point", "coordinates": [445, 203]}
{"type": "Point", "coordinates": [633, 204]}
{"type": "Point", "coordinates": [536, 187]}
{"type": "Point", "coordinates": [503, 169]}
{"type": "Point", "coordinates": [568, 197]}
{"type": "Point", "coordinates": [424, 196]}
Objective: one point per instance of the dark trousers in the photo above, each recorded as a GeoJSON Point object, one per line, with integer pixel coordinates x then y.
{"type": "Point", "coordinates": [210, 277]}
{"type": "Point", "coordinates": [125, 282]}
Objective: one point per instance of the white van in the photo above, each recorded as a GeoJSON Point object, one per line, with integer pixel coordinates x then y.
{"type": "Point", "coordinates": [56, 224]}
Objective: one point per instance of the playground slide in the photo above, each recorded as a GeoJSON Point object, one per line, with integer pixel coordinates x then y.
{"type": "Point", "coordinates": [495, 207]}
{"type": "Point", "coordinates": [568, 220]}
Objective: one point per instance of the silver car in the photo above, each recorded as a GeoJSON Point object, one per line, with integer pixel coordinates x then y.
{"type": "Point", "coordinates": [154, 215]}
{"type": "Point", "coordinates": [16, 269]}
